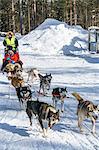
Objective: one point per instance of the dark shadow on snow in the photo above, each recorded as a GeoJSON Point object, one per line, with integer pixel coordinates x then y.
{"type": "Point", "coordinates": [4, 83]}
{"type": "Point", "coordinates": [13, 129]}
{"type": "Point", "coordinates": [69, 50]}
{"type": "Point", "coordinates": [65, 127]}
{"type": "Point", "coordinates": [10, 108]}
{"type": "Point", "coordinates": [3, 94]}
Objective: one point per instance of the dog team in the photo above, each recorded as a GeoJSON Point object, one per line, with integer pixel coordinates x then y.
{"type": "Point", "coordinates": [47, 114]}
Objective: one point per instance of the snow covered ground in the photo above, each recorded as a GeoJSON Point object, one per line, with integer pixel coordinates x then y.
{"type": "Point", "coordinates": [54, 37]}
{"type": "Point", "coordinates": [61, 50]}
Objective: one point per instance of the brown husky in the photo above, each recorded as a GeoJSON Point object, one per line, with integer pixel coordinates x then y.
{"type": "Point", "coordinates": [86, 109]}
{"type": "Point", "coordinates": [16, 81]}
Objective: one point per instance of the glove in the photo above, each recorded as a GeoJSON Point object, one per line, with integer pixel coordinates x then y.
{"type": "Point", "coordinates": [8, 58]}
{"type": "Point", "coordinates": [12, 61]}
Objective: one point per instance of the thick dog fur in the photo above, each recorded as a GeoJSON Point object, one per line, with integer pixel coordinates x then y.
{"type": "Point", "coordinates": [17, 81]}
{"type": "Point", "coordinates": [17, 70]}
{"type": "Point", "coordinates": [59, 94]}
{"type": "Point", "coordinates": [44, 112]}
{"type": "Point", "coordinates": [12, 67]}
{"type": "Point", "coordinates": [9, 67]}
{"type": "Point", "coordinates": [45, 82]}
{"type": "Point", "coordinates": [86, 109]}
{"type": "Point", "coordinates": [24, 94]}
{"type": "Point", "coordinates": [33, 74]}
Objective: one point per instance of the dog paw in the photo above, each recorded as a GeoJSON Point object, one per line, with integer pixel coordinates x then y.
{"type": "Point", "coordinates": [81, 131]}
{"type": "Point", "coordinates": [94, 133]}
{"type": "Point", "coordinates": [44, 136]}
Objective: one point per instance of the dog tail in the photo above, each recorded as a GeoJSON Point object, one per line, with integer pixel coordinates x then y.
{"type": "Point", "coordinates": [77, 96]}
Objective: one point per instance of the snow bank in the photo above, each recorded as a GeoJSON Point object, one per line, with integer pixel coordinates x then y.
{"type": "Point", "coordinates": [53, 37]}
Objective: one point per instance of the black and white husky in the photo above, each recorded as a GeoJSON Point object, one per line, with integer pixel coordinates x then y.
{"type": "Point", "coordinates": [24, 94]}
{"type": "Point", "coordinates": [45, 82]}
{"type": "Point", "coordinates": [46, 114]}
{"type": "Point", "coordinates": [59, 94]}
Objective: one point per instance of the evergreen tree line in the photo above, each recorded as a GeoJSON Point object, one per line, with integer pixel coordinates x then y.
{"type": "Point", "coordinates": [25, 15]}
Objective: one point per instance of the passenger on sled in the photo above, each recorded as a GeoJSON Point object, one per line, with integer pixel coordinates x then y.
{"type": "Point", "coordinates": [11, 57]}
{"type": "Point", "coordinates": [10, 42]}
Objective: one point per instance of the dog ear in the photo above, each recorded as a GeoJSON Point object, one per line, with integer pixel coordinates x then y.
{"type": "Point", "coordinates": [58, 113]}
{"type": "Point", "coordinates": [66, 89]}
{"type": "Point", "coordinates": [97, 107]}
{"type": "Point", "coordinates": [50, 75]}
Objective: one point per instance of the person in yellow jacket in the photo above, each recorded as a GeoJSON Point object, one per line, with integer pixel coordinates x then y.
{"type": "Point", "coordinates": [10, 42]}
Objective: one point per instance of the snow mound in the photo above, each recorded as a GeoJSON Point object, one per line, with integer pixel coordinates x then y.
{"type": "Point", "coordinates": [54, 37]}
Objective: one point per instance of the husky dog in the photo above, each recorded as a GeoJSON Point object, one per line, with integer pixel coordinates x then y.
{"type": "Point", "coordinates": [16, 81]}
{"type": "Point", "coordinates": [12, 67]}
{"type": "Point", "coordinates": [86, 109]}
{"type": "Point", "coordinates": [45, 82]}
{"type": "Point", "coordinates": [33, 74]}
{"type": "Point", "coordinates": [9, 68]}
{"type": "Point", "coordinates": [59, 94]}
{"type": "Point", "coordinates": [17, 72]}
{"type": "Point", "coordinates": [47, 114]}
{"type": "Point", "coordinates": [24, 93]}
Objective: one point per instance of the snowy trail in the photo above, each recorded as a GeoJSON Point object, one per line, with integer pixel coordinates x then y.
{"type": "Point", "coordinates": [87, 133]}
{"type": "Point", "coordinates": [75, 69]}
{"type": "Point", "coordinates": [14, 124]}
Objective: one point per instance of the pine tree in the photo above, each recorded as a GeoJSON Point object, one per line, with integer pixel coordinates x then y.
{"type": "Point", "coordinates": [25, 15]}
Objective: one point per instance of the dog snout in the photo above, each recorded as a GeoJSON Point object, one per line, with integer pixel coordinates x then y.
{"type": "Point", "coordinates": [95, 115]}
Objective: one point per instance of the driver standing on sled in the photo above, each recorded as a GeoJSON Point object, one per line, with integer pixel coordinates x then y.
{"type": "Point", "coordinates": [10, 42]}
